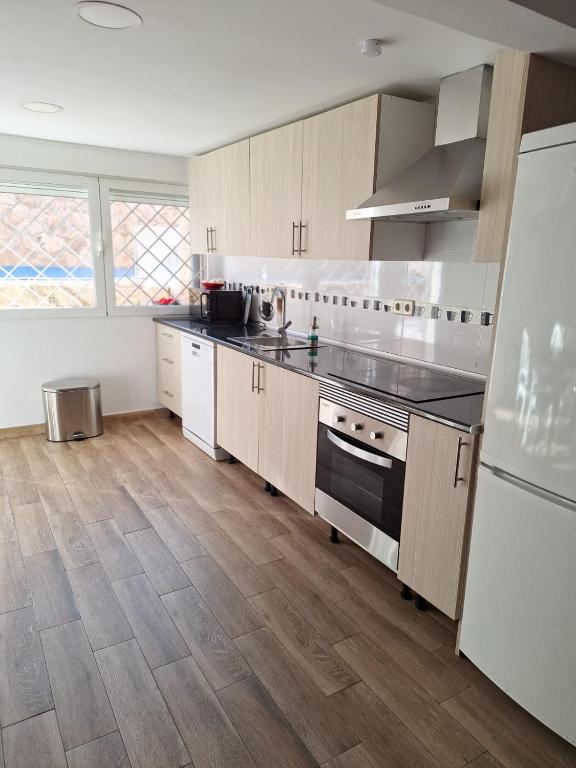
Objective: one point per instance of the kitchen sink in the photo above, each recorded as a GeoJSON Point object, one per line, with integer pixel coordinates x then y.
{"type": "Point", "coordinates": [271, 342]}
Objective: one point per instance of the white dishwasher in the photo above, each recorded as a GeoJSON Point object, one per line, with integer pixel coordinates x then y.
{"type": "Point", "coordinates": [199, 394]}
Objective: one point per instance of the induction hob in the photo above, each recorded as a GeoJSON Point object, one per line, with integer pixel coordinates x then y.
{"type": "Point", "coordinates": [408, 382]}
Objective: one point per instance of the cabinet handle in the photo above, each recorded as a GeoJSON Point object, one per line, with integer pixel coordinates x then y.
{"type": "Point", "coordinates": [165, 392]}
{"type": "Point", "coordinates": [457, 469]}
{"type": "Point", "coordinates": [300, 228]}
{"type": "Point", "coordinates": [196, 346]}
{"type": "Point", "coordinates": [168, 335]}
{"type": "Point", "coordinates": [212, 233]}
{"type": "Point", "coordinates": [208, 239]}
{"type": "Point", "coordinates": [167, 360]}
{"type": "Point", "coordinates": [253, 370]}
{"type": "Point", "coordinates": [259, 388]}
{"type": "Point", "coordinates": [294, 228]}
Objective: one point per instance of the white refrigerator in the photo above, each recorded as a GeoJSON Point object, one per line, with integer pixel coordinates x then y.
{"type": "Point", "coordinates": [519, 617]}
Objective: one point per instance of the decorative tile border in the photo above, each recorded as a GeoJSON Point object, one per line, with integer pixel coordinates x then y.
{"type": "Point", "coordinates": [422, 310]}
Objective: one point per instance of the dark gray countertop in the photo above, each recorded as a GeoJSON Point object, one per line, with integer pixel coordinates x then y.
{"type": "Point", "coordinates": [334, 365]}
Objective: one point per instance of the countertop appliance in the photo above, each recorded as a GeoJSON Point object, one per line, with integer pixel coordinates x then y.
{"type": "Point", "coordinates": [198, 360]}
{"type": "Point", "coordinates": [226, 307]}
{"type": "Point", "coordinates": [519, 619]}
{"type": "Point", "coordinates": [360, 469]}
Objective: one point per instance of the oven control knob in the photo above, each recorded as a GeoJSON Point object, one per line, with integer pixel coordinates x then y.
{"type": "Point", "coordinates": [376, 435]}
{"type": "Point", "coordinates": [356, 427]}
{"type": "Point", "coordinates": [339, 419]}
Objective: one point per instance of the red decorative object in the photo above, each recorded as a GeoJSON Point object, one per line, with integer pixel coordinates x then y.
{"type": "Point", "coordinates": [212, 285]}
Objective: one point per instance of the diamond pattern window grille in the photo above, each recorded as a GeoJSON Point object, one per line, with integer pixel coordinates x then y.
{"type": "Point", "coordinates": [45, 250]}
{"type": "Point", "coordinates": [151, 252]}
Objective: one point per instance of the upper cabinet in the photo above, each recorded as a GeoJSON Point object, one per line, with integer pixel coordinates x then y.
{"type": "Point", "coordinates": [220, 200]}
{"type": "Point", "coordinates": [276, 192]}
{"type": "Point", "coordinates": [339, 172]}
{"type": "Point", "coordinates": [285, 193]}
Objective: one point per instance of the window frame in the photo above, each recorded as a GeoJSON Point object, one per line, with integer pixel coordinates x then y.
{"type": "Point", "coordinates": [146, 189]}
{"type": "Point", "coordinates": [72, 181]}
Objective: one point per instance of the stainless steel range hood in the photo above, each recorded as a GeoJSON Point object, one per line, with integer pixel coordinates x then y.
{"type": "Point", "coordinates": [444, 183]}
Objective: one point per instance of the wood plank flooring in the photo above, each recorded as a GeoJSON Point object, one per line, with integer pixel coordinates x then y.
{"type": "Point", "coordinates": [160, 610]}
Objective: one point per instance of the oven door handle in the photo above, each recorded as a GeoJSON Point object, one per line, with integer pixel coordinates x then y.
{"type": "Point", "coordinates": [360, 453]}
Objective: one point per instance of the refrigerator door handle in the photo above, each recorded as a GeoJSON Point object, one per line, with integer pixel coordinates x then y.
{"type": "Point", "coordinates": [507, 477]}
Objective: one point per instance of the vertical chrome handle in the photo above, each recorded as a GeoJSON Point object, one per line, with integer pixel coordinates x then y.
{"type": "Point", "coordinates": [300, 228]}
{"type": "Point", "coordinates": [294, 228]}
{"type": "Point", "coordinates": [259, 389]}
{"type": "Point", "coordinates": [207, 239]}
{"type": "Point", "coordinates": [253, 369]}
{"type": "Point", "coordinates": [457, 469]}
{"type": "Point", "coordinates": [212, 245]}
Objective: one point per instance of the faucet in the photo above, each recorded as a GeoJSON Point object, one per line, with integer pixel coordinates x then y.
{"type": "Point", "coordinates": [282, 328]}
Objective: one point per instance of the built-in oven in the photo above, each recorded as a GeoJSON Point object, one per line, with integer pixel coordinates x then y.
{"type": "Point", "coordinates": [360, 471]}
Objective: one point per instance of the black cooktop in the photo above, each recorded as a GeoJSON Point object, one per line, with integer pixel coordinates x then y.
{"type": "Point", "coordinates": [409, 382]}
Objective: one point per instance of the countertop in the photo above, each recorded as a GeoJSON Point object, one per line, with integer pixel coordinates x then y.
{"type": "Point", "coordinates": [331, 364]}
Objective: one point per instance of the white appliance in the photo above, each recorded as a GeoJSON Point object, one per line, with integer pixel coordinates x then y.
{"type": "Point", "coordinates": [198, 359]}
{"type": "Point", "coordinates": [519, 619]}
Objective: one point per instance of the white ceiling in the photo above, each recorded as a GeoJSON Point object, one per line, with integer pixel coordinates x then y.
{"type": "Point", "coordinates": [200, 73]}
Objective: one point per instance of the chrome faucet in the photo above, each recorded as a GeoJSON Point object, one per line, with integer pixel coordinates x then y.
{"type": "Point", "coordinates": [282, 328]}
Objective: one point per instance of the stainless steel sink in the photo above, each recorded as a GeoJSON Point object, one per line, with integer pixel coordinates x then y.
{"type": "Point", "coordinates": [271, 341]}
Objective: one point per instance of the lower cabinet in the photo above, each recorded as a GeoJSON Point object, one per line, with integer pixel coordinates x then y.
{"type": "Point", "coordinates": [436, 514]}
{"type": "Point", "coordinates": [267, 418]}
{"type": "Point", "coordinates": [168, 373]}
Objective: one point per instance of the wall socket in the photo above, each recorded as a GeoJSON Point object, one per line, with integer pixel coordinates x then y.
{"type": "Point", "coordinates": [403, 306]}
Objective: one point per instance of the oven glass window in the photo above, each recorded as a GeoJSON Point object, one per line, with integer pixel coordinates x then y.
{"type": "Point", "coordinates": [372, 491]}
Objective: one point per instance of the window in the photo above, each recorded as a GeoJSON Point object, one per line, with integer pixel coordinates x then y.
{"type": "Point", "coordinates": [48, 236]}
{"type": "Point", "coordinates": [82, 245]}
{"type": "Point", "coordinates": [147, 236]}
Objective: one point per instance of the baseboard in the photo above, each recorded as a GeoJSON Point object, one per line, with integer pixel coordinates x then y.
{"type": "Point", "coordinates": [40, 429]}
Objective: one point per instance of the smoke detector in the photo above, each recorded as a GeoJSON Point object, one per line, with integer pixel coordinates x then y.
{"type": "Point", "coordinates": [371, 47]}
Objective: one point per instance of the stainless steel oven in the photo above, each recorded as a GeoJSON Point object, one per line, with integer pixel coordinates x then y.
{"type": "Point", "coordinates": [360, 470]}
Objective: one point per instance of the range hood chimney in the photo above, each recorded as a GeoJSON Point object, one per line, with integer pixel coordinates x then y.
{"type": "Point", "coordinates": [444, 183]}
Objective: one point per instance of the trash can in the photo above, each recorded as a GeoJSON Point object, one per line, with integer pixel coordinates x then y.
{"type": "Point", "coordinates": [72, 409]}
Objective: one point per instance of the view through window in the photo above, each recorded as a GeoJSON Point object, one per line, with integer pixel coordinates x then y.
{"type": "Point", "coordinates": [45, 248]}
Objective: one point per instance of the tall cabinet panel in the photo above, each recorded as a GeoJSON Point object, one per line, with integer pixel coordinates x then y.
{"type": "Point", "coordinates": [232, 225]}
{"type": "Point", "coordinates": [276, 192]}
{"type": "Point", "coordinates": [338, 173]}
{"type": "Point", "coordinates": [220, 200]}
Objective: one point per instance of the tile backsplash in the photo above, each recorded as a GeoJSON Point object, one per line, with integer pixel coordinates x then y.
{"type": "Point", "coordinates": [454, 303]}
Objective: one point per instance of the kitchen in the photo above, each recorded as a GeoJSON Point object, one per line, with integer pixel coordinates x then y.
{"type": "Point", "coordinates": [335, 371]}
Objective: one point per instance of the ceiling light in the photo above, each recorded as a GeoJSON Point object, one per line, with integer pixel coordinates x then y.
{"type": "Point", "coordinates": [371, 47]}
{"type": "Point", "coordinates": [107, 15]}
{"type": "Point", "coordinates": [41, 106]}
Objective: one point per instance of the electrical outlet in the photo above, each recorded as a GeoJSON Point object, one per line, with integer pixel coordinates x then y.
{"type": "Point", "coordinates": [403, 306]}
{"type": "Point", "coordinates": [408, 307]}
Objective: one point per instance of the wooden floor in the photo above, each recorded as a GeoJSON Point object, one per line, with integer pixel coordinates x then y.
{"type": "Point", "coordinates": [159, 609]}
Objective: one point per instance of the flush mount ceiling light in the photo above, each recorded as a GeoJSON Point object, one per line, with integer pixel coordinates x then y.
{"type": "Point", "coordinates": [107, 15]}
{"type": "Point", "coordinates": [371, 47]}
{"type": "Point", "coordinates": [41, 106]}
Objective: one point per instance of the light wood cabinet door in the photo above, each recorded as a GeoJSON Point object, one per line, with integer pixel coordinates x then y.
{"type": "Point", "coordinates": [220, 200]}
{"type": "Point", "coordinates": [435, 515]}
{"type": "Point", "coordinates": [201, 181]}
{"type": "Point", "coordinates": [229, 170]}
{"type": "Point", "coordinates": [168, 368]}
{"type": "Point", "coordinates": [339, 164]}
{"type": "Point", "coordinates": [288, 430]}
{"type": "Point", "coordinates": [239, 405]}
{"type": "Point", "coordinates": [276, 192]}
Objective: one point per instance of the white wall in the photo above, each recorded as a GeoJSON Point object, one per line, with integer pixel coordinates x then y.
{"type": "Point", "coordinates": [118, 351]}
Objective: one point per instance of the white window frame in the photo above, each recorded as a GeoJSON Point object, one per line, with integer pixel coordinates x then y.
{"type": "Point", "coordinates": [72, 182]}
{"type": "Point", "coordinates": [133, 187]}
